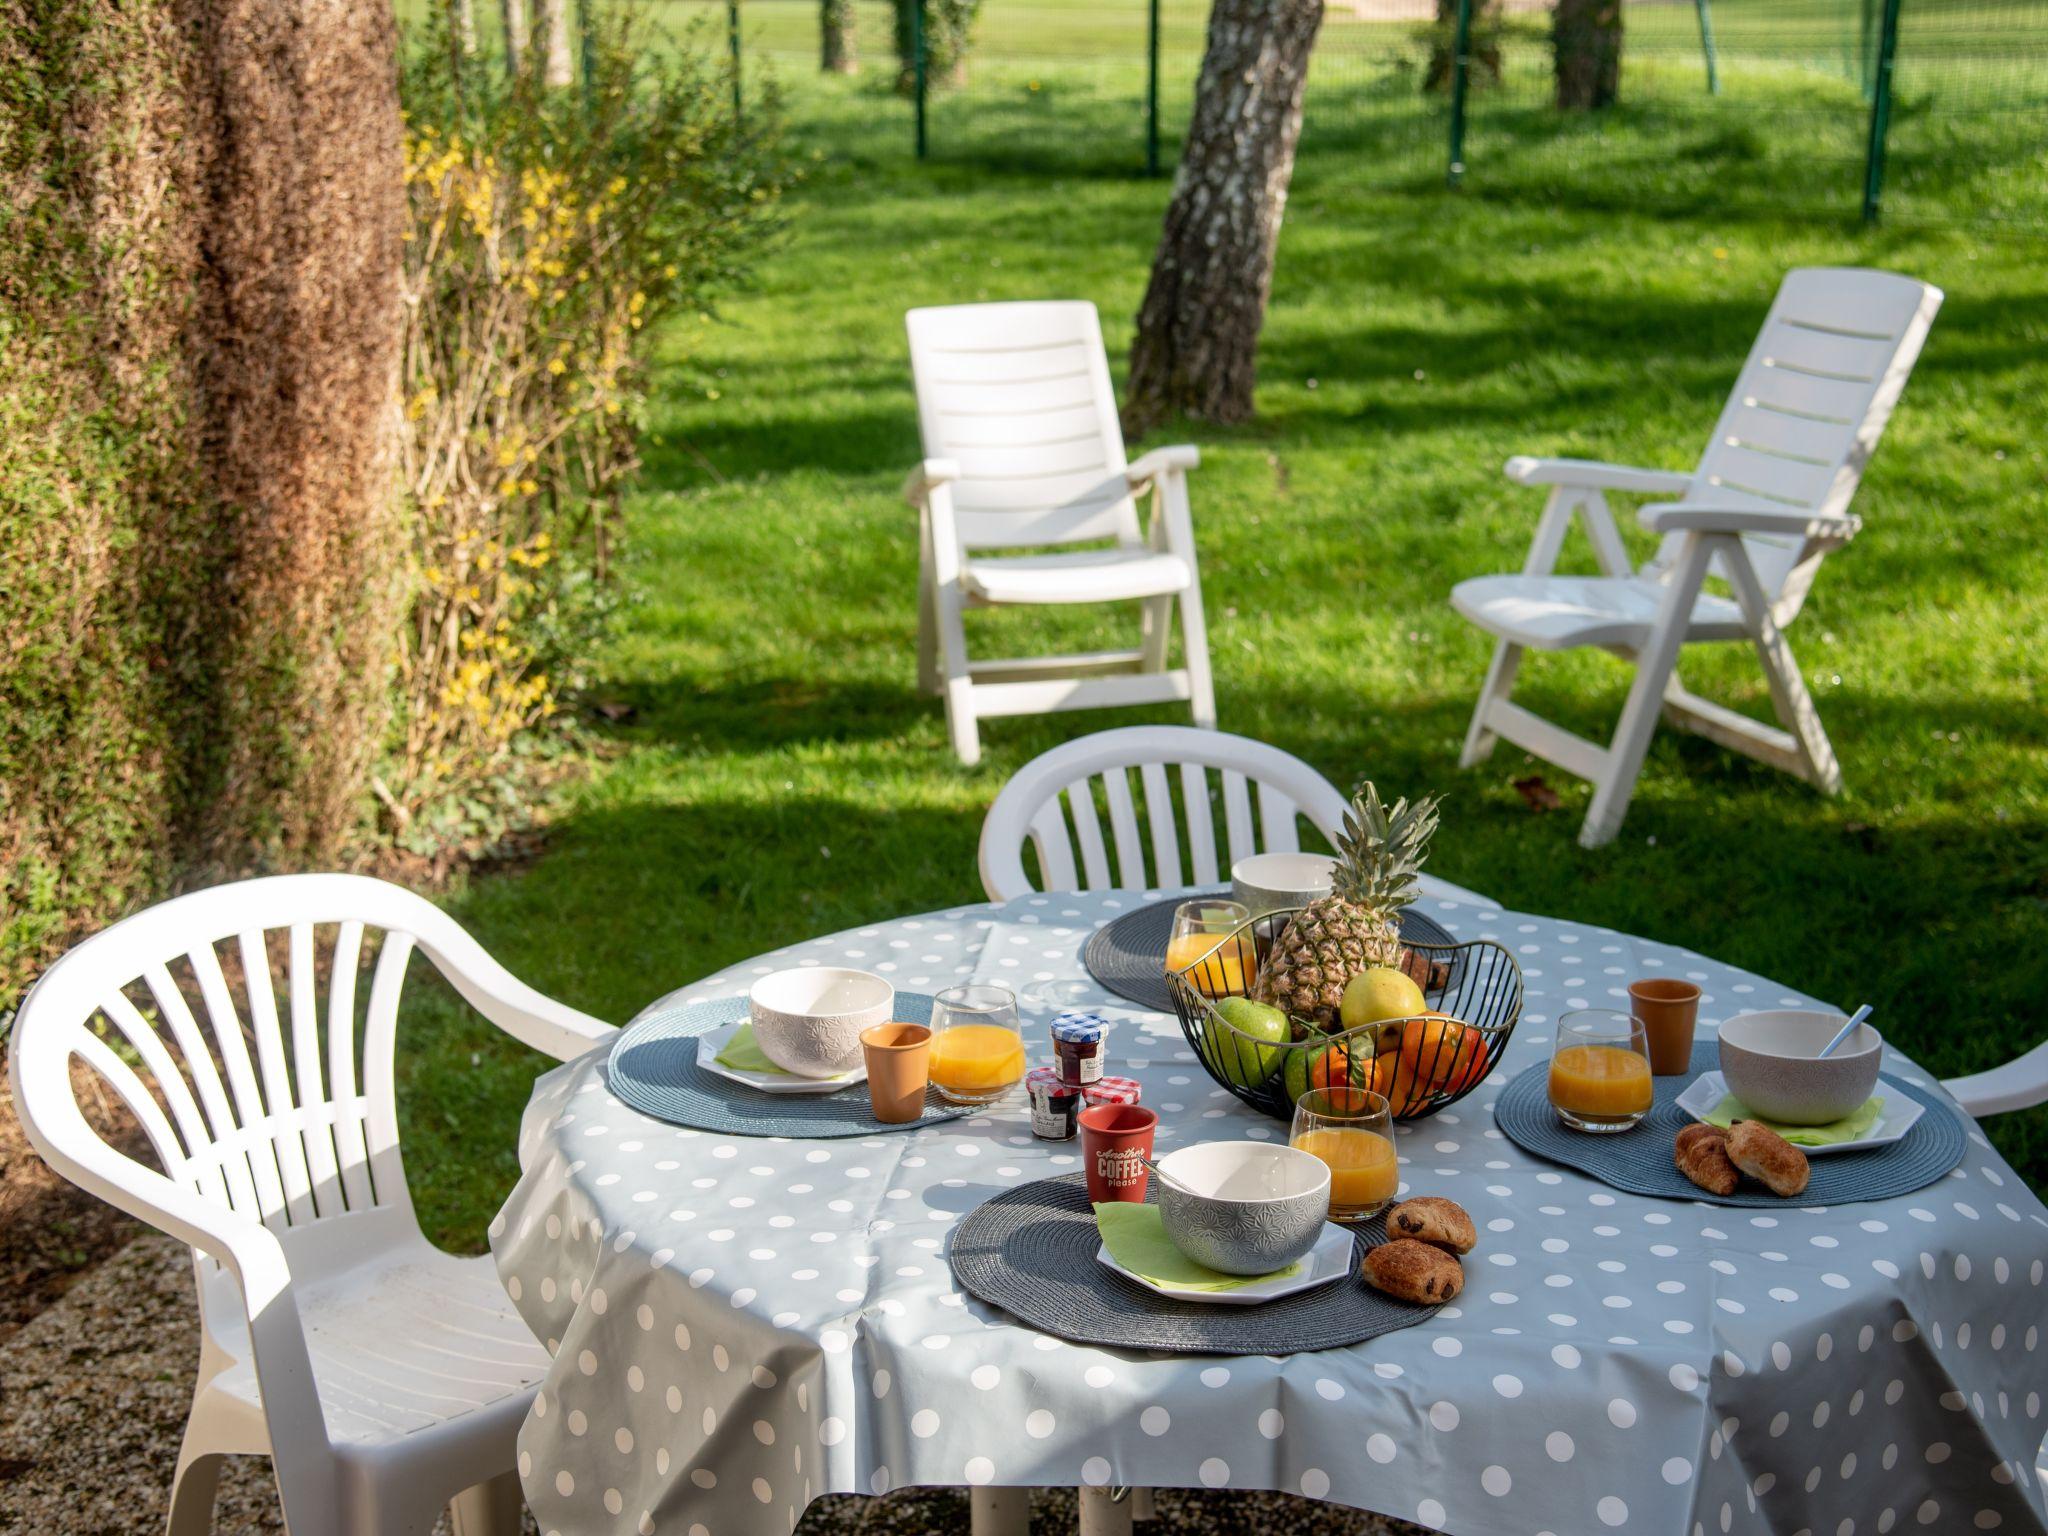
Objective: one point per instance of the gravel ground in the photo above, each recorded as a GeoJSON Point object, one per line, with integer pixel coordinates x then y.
{"type": "Point", "coordinates": [94, 1390]}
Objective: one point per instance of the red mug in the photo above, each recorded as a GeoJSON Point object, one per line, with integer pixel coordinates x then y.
{"type": "Point", "coordinates": [1113, 1139]}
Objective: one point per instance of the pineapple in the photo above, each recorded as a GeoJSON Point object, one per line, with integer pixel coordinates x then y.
{"type": "Point", "coordinates": [1325, 944]}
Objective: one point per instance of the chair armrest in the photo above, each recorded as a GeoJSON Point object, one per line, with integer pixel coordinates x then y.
{"type": "Point", "coordinates": [2020, 1084]}
{"type": "Point", "coordinates": [932, 472]}
{"type": "Point", "coordinates": [1592, 475]}
{"type": "Point", "coordinates": [1683, 517]}
{"type": "Point", "coordinates": [1160, 461]}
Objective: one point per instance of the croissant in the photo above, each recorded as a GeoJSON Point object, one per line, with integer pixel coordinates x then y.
{"type": "Point", "coordinates": [1701, 1153]}
{"type": "Point", "coordinates": [1768, 1157]}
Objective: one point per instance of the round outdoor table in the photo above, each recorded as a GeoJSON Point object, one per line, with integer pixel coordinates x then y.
{"type": "Point", "coordinates": [739, 1325]}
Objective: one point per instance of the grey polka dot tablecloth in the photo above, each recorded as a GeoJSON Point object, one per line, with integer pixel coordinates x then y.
{"type": "Point", "coordinates": [739, 1325]}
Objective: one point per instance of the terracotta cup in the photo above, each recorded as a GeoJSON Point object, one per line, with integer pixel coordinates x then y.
{"type": "Point", "coordinates": [1113, 1138]}
{"type": "Point", "coordinates": [1668, 1009]}
{"type": "Point", "coordinates": [899, 1058]}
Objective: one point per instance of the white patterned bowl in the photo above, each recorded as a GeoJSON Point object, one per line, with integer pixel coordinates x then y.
{"type": "Point", "coordinates": [1268, 882]}
{"type": "Point", "coordinates": [1243, 1207]}
{"type": "Point", "coordinates": [808, 1020]}
{"type": "Point", "coordinates": [1772, 1062]}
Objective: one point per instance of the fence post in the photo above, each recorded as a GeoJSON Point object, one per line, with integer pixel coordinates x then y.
{"type": "Point", "coordinates": [732, 37]}
{"type": "Point", "coordinates": [1461, 67]}
{"type": "Point", "coordinates": [917, 70]}
{"type": "Point", "coordinates": [1880, 113]}
{"type": "Point", "coordinates": [1707, 47]}
{"type": "Point", "coordinates": [1152, 93]}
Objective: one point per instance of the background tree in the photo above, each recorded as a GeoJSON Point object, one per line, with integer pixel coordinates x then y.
{"type": "Point", "coordinates": [1482, 45]}
{"type": "Point", "coordinates": [514, 14]}
{"type": "Point", "coordinates": [837, 45]}
{"type": "Point", "coordinates": [1587, 37]}
{"type": "Point", "coordinates": [948, 34]}
{"type": "Point", "coordinates": [1196, 350]}
{"type": "Point", "coordinates": [551, 36]}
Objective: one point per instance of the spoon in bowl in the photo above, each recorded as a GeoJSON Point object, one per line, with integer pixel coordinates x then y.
{"type": "Point", "coordinates": [1847, 1029]}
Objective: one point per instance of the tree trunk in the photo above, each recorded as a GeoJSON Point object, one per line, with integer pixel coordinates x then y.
{"type": "Point", "coordinates": [1196, 350]}
{"type": "Point", "coordinates": [551, 35]}
{"type": "Point", "coordinates": [1587, 37]}
{"type": "Point", "coordinates": [465, 27]}
{"type": "Point", "coordinates": [838, 52]}
{"type": "Point", "coordinates": [301, 206]}
{"type": "Point", "coordinates": [1482, 47]}
{"type": "Point", "coordinates": [514, 13]}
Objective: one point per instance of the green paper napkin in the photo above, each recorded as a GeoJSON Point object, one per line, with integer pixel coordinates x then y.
{"type": "Point", "coordinates": [1136, 1238]}
{"type": "Point", "coordinates": [743, 1053]}
{"type": "Point", "coordinates": [1853, 1126]}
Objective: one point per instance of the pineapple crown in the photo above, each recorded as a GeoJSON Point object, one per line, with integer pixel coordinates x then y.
{"type": "Point", "coordinates": [1380, 851]}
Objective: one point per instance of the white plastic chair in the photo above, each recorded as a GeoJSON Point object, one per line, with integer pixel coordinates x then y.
{"type": "Point", "coordinates": [1051, 802]}
{"type": "Point", "coordinates": [1023, 450]}
{"type": "Point", "coordinates": [383, 1377]}
{"type": "Point", "coordinates": [2019, 1084]}
{"type": "Point", "coordinates": [1768, 501]}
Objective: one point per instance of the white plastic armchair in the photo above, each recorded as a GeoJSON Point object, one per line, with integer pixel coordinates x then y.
{"type": "Point", "coordinates": [1767, 502]}
{"type": "Point", "coordinates": [382, 1377]}
{"type": "Point", "coordinates": [2019, 1084]}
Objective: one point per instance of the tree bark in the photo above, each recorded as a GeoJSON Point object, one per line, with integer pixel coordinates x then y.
{"type": "Point", "coordinates": [514, 13]}
{"type": "Point", "coordinates": [838, 51]}
{"type": "Point", "coordinates": [551, 35]}
{"type": "Point", "coordinates": [1482, 47]}
{"type": "Point", "coordinates": [465, 27]}
{"type": "Point", "coordinates": [1196, 350]}
{"type": "Point", "coordinates": [301, 206]}
{"type": "Point", "coordinates": [1587, 38]}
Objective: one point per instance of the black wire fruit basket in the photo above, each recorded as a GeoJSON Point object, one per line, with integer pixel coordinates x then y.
{"type": "Point", "coordinates": [1420, 1062]}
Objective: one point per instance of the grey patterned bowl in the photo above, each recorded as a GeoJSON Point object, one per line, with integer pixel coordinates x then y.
{"type": "Point", "coordinates": [1243, 1207]}
{"type": "Point", "coordinates": [808, 1020]}
{"type": "Point", "coordinates": [1772, 1062]}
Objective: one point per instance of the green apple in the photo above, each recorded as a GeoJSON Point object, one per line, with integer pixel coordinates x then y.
{"type": "Point", "coordinates": [1235, 1056]}
{"type": "Point", "coordinates": [1299, 1059]}
{"type": "Point", "coordinates": [1379, 993]}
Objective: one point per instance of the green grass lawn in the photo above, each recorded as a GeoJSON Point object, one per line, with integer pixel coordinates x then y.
{"type": "Point", "coordinates": [781, 776]}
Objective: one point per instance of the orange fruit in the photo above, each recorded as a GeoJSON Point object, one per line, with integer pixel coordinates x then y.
{"type": "Point", "coordinates": [1347, 1064]}
{"type": "Point", "coordinates": [1446, 1054]}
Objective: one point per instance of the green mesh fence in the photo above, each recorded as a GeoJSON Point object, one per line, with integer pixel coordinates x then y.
{"type": "Point", "coordinates": [1742, 104]}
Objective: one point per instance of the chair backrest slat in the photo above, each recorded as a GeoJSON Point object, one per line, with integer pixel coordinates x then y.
{"type": "Point", "coordinates": [318, 1136]}
{"type": "Point", "coordinates": [192, 1129]}
{"type": "Point", "coordinates": [197, 1058]}
{"type": "Point", "coordinates": [1019, 396]}
{"type": "Point", "coordinates": [1809, 406]}
{"type": "Point", "coordinates": [1159, 816]}
{"type": "Point", "coordinates": [1028, 809]}
{"type": "Point", "coordinates": [251, 1111]}
{"type": "Point", "coordinates": [1198, 810]}
{"type": "Point", "coordinates": [1123, 822]}
{"type": "Point", "coordinates": [288, 1142]}
{"type": "Point", "coordinates": [350, 1149]}
{"type": "Point", "coordinates": [380, 1053]}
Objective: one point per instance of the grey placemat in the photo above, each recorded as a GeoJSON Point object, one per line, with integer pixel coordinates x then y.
{"type": "Point", "coordinates": [1639, 1160]}
{"type": "Point", "coordinates": [1031, 1251]}
{"type": "Point", "coordinates": [653, 1067]}
{"type": "Point", "coordinates": [1128, 955]}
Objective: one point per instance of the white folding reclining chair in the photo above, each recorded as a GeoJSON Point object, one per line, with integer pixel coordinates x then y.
{"type": "Point", "coordinates": [1051, 803]}
{"type": "Point", "coordinates": [1023, 449]}
{"type": "Point", "coordinates": [383, 1377]}
{"type": "Point", "coordinates": [1768, 501]}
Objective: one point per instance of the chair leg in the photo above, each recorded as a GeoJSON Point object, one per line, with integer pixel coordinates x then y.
{"type": "Point", "coordinates": [1638, 724]}
{"type": "Point", "coordinates": [1155, 618]}
{"type": "Point", "coordinates": [492, 1508]}
{"type": "Point", "coordinates": [928, 676]}
{"type": "Point", "coordinates": [959, 682]}
{"type": "Point", "coordinates": [1104, 1513]}
{"type": "Point", "coordinates": [1195, 643]}
{"type": "Point", "coordinates": [193, 1488]}
{"type": "Point", "coordinates": [1789, 697]}
{"type": "Point", "coordinates": [999, 1511]}
{"type": "Point", "coordinates": [1500, 682]}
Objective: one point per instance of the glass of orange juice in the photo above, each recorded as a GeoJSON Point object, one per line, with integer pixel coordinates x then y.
{"type": "Point", "coordinates": [1207, 944]}
{"type": "Point", "coordinates": [1352, 1130]}
{"type": "Point", "coordinates": [977, 1043]}
{"type": "Point", "coordinates": [1600, 1071]}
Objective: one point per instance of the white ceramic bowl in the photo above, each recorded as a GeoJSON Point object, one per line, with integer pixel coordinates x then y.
{"type": "Point", "coordinates": [1772, 1062]}
{"type": "Point", "coordinates": [808, 1021]}
{"type": "Point", "coordinates": [1246, 1208]}
{"type": "Point", "coordinates": [1269, 882]}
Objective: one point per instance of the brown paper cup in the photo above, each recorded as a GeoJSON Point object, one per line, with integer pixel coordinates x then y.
{"type": "Point", "coordinates": [899, 1058]}
{"type": "Point", "coordinates": [1668, 1009]}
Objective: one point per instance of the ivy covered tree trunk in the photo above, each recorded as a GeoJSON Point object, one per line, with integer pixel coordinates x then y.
{"type": "Point", "coordinates": [301, 203]}
{"type": "Point", "coordinates": [948, 34]}
{"type": "Point", "coordinates": [1482, 45]}
{"type": "Point", "coordinates": [1196, 349]}
{"type": "Point", "coordinates": [514, 14]}
{"type": "Point", "coordinates": [837, 48]}
{"type": "Point", "coordinates": [551, 36]}
{"type": "Point", "coordinates": [1587, 37]}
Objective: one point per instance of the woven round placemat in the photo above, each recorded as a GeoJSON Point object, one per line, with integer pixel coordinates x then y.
{"type": "Point", "coordinates": [1031, 1251]}
{"type": "Point", "coordinates": [1639, 1160]}
{"type": "Point", "coordinates": [653, 1068]}
{"type": "Point", "coordinates": [1128, 954]}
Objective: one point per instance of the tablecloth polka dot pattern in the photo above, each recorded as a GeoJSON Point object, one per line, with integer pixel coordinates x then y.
{"type": "Point", "coordinates": [739, 1325]}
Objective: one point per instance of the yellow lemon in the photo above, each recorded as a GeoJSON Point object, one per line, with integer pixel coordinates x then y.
{"type": "Point", "coordinates": [1378, 993]}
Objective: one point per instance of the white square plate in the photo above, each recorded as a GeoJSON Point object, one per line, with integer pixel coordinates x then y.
{"type": "Point", "coordinates": [714, 1041]}
{"type": "Point", "coordinates": [1898, 1116]}
{"type": "Point", "coordinates": [1329, 1260]}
